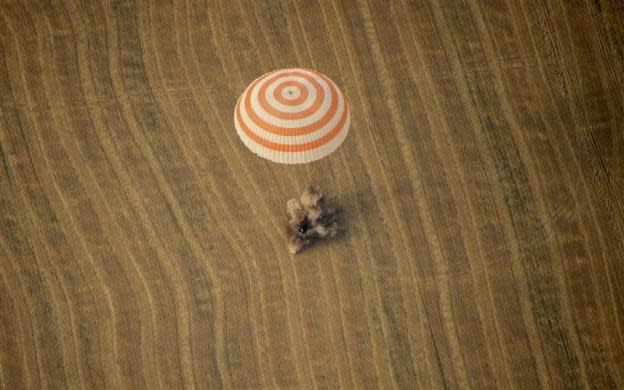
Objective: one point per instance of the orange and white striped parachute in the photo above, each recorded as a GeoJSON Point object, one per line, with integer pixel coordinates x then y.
{"type": "Point", "coordinates": [292, 116]}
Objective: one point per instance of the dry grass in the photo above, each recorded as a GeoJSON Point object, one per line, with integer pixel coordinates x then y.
{"type": "Point", "coordinates": [142, 245]}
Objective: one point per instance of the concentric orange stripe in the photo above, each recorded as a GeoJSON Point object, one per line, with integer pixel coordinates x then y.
{"type": "Point", "coordinates": [298, 130]}
{"type": "Point", "coordinates": [295, 147]}
{"type": "Point", "coordinates": [303, 93]}
{"type": "Point", "coordinates": [289, 115]}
